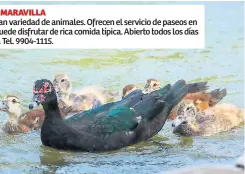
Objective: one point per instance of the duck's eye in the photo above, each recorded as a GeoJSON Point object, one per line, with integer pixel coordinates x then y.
{"type": "Point", "coordinates": [62, 80]}
{"type": "Point", "coordinates": [188, 108]}
{"type": "Point", "coordinates": [48, 89]}
{"type": "Point", "coordinates": [13, 100]}
{"type": "Point", "coordinates": [154, 84]}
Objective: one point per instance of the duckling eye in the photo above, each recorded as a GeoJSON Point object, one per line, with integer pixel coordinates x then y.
{"type": "Point", "coordinates": [154, 84]}
{"type": "Point", "coordinates": [62, 80]}
{"type": "Point", "coordinates": [188, 108]}
{"type": "Point", "coordinates": [13, 100]}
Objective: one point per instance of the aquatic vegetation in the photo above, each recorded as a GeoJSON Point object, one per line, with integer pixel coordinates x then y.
{"type": "Point", "coordinates": [204, 51]}
{"type": "Point", "coordinates": [208, 78]}
{"type": "Point", "coordinates": [3, 55]}
{"type": "Point", "coordinates": [177, 55]}
{"type": "Point", "coordinates": [236, 46]}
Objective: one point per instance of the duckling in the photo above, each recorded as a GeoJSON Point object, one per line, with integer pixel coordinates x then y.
{"type": "Point", "coordinates": [203, 99]}
{"type": "Point", "coordinates": [63, 86]}
{"type": "Point", "coordinates": [20, 122]}
{"type": "Point", "coordinates": [82, 103]}
{"type": "Point", "coordinates": [66, 96]}
{"type": "Point", "coordinates": [152, 84]}
{"type": "Point", "coordinates": [219, 118]}
{"type": "Point", "coordinates": [129, 89]}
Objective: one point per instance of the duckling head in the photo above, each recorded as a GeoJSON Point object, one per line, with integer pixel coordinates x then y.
{"type": "Point", "coordinates": [62, 84]}
{"type": "Point", "coordinates": [43, 93]}
{"type": "Point", "coordinates": [128, 89]}
{"type": "Point", "coordinates": [185, 122]}
{"type": "Point", "coordinates": [11, 104]}
{"type": "Point", "coordinates": [152, 85]}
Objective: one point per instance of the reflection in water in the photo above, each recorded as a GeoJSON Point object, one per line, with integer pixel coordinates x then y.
{"type": "Point", "coordinates": [52, 159]}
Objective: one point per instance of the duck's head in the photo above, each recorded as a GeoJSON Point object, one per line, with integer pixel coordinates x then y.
{"type": "Point", "coordinates": [128, 89]}
{"type": "Point", "coordinates": [152, 85]}
{"type": "Point", "coordinates": [11, 104]}
{"type": "Point", "coordinates": [185, 122]}
{"type": "Point", "coordinates": [43, 93]}
{"type": "Point", "coordinates": [62, 84]}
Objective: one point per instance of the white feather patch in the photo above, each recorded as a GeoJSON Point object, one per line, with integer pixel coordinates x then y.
{"type": "Point", "coordinates": [139, 118]}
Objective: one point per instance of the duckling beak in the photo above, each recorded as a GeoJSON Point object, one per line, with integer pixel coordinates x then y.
{"type": "Point", "coordinates": [176, 122]}
{"type": "Point", "coordinates": [57, 90]}
{"type": "Point", "coordinates": [3, 106]}
{"type": "Point", "coordinates": [35, 101]}
{"type": "Point", "coordinates": [147, 89]}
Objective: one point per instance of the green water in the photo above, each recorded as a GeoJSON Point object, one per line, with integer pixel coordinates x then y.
{"type": "Point", "coordinates": [220, 63]}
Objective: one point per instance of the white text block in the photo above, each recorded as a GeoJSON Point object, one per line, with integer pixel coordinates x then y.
{"type": "Point", "coordinates": [102, 26]}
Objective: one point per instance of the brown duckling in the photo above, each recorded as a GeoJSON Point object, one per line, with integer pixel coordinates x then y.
{"type": "Point", "coordinates": [128, 89]}
{"type": "Point", "coordinates": [219, 118]}
{"type": "Point", "coordinates": [66, 96]}
{"type": "Point", "coordinates": [203, 99]}
{"type": "Point", "coordinates": [20, 122]}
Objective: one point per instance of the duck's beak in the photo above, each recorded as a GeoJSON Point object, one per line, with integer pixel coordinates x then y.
{"type": "Point", "coordinates": [36, 101]}
{"type": "Point", "coordinates": [3, 106]}
{"type": "Point", "coordinates": [145, 91]}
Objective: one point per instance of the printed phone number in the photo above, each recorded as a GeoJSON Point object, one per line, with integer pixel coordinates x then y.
{"type": "Point", "coordinates": [26, 41]}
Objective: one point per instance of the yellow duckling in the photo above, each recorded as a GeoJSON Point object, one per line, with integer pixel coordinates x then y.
{"type": "Point", "coordinates": [219, 118]}
{"type": "Point", "coordinates": [65, 95]}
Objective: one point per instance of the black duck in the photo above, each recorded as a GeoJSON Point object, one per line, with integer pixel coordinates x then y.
{"type": "Point", "coordinates": [110, 126]}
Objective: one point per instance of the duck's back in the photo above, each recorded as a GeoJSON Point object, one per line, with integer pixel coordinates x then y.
{"type": "Point", "coordinates": [116, 116]}
{"type": "Point", "coordinates": [230, 113]}
{"type": "Point", "coordinates": [32, 118]}
{"type": "Point", "coordinates": [95, 92]}
{"type": "Point", "coordinates": [219, 118]}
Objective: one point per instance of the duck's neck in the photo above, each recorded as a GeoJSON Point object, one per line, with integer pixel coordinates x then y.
{"type": "Point", "coordinates": [52, 110]}
{"type": "Point", "coordinates": [14, 115]}
{"type": "Point", "coordinates": [66, 98]}
{"type": "Point", "coordinates": [13, 118]}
